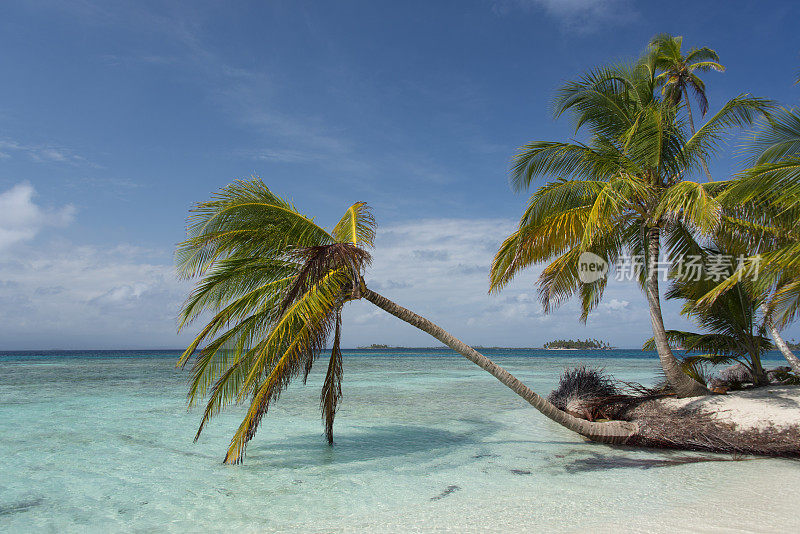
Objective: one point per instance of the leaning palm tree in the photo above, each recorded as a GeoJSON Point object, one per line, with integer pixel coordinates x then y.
{"type": "Point", "coordinates": [623, 192]}
{"type": "Point", "coordinates": [765, 201]}
{"type": "Point", "coordinates": [275, 284]}
{"type": "Point", "coordinates": [679, 74]}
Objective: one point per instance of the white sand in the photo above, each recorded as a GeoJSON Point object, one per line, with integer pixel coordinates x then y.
{"type": "Point", "coordinates": [777, 406]}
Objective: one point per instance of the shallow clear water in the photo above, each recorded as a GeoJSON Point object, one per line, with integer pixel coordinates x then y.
{"type": "Point", "coordinates": [98, 442]}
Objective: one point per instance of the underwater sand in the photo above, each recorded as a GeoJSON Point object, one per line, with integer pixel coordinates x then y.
{"type": "Point", "coordinates": [424, 442]}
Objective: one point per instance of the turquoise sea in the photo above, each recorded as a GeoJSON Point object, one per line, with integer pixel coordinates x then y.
{"type": "Point", "coordinates": [425, 441]}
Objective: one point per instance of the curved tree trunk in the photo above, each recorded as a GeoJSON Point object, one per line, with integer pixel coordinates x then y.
{"type": "Point", "coordinates": [609, 432]}
{"type": "Point", "coordinates": [794, 362]}
{"type": "Point", "coordinates": [683, 385]}
{"type": "Point", "coordinates": [691, 124]}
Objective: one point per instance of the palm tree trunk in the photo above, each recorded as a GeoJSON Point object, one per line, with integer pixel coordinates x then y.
{"type": "Point", "coordinates": [794, 362]}
{"type": "Point", "coordinates": [683, 385]}
{"type": "Point", "coordinates": [608, 432]}
{"type": "Point", "coordinates": [759, 375]}
{"type": "Point", "coordinates": [691, 124]}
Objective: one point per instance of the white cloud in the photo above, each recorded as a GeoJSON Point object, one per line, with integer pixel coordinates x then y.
{"type": "Point", "coordinates": [43, 153]}
{"type": "Point", "coordinates": [62, 295]}
{"type": "Point", "coordinates": [58, 294]}
{"type": "Point", "coordinates": [21, 219]}
{"type": "Point", "coordinates": [439, 269]}
{"type": "Point", "coordinates": [115, 60]}
{"type": "Point", "coordinates": [575, 15]}
{"type": "Point", "coordinates": [616, 305]}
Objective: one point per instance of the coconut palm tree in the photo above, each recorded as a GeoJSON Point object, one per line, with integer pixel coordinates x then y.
{"type": "Point", "coordinates": [679, 74]}
{"type": "Point", "coordinates": [765, 203]}
{"type": "Point", "coordinates": [623, 191]}
{"type": "Point", "coordinates": [735, 333]}
{"type": "Point", "coordinates": [275, 284]}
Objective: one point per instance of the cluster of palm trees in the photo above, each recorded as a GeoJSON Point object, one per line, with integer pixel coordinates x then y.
{"type": "Point", "coordinates": [576, 344]}
{"type": "Point", "coordinates": [635, 188]}
{"type": "Point", "coordinates": [274, 281]}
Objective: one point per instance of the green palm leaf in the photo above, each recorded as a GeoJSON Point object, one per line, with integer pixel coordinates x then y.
{"type": "Point", "coordinates": [274, 283]}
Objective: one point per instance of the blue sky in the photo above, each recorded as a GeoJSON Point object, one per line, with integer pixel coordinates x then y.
{"type": "Point", "coordinates": [116, 116]}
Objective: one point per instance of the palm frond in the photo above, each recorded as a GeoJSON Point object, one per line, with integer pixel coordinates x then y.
{"type": "Point", "coordinates": [244, 219]}
{"type": "Point", "coordinates": [304, 342]}
{"type": "Point", "coordinates": [738, 112]}
{"type": "Point", "coordinates": [332, 386]}
{"type": "Point", "coordinates": [690, 203]}
{"type": "Point", "coordinates": [357, 226]}
{"type": "Point", "coordinates": [562, 160]}
{"type": "Point", "coordinates": [776, 137]}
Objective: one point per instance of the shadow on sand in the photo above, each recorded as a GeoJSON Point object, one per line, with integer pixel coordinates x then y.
{"type": "Point", "coordinates": [603, 462]}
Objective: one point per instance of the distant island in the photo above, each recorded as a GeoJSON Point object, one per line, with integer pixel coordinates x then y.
{"type": "Point", "coordinates": [559, 344]}
{"type": "Point", "coordinates": [379, 346]}
{"type": "Point", "coordinates": [579, 344]}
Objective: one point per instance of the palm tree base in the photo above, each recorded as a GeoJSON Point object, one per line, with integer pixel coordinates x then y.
{"type": "Point", "coordinates": [692, 389]}
{"type": "Point", "coordinates": [664, 423]}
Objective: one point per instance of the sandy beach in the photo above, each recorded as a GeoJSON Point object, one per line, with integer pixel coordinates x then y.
{"type": "Point", "coordinates": [753, 409]}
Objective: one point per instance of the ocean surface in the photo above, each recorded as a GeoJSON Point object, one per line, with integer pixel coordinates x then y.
{"type": "Point", "coordinates": [424, 441]}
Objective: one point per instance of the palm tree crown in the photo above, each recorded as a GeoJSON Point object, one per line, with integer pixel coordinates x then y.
{"type": "Point", "coordinates": [281, 281]}
{"type": "Point", "coordinates": [679, 73]}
